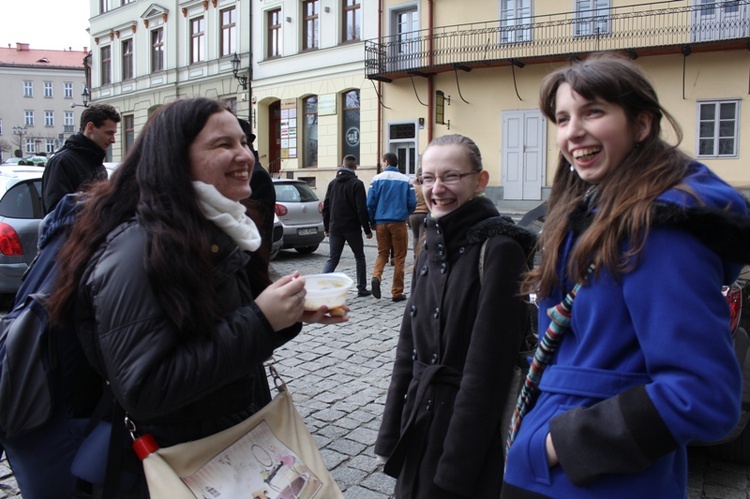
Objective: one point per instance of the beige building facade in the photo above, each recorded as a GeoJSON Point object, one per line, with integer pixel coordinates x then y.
{"type": "Point", "coordinates": [42, 102]}
{"type": "Point", "coordinates": [476, 72]}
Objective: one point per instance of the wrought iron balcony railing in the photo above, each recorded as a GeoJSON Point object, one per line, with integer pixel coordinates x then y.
{"type": "Point", "coordinates": [646, 27]}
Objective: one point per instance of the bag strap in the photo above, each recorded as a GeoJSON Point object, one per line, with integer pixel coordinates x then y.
{"type": "Point", "coordinates": [560, 323]}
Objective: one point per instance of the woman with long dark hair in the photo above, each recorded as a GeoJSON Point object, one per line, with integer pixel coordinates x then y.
{"type": "Point", "coordinates": [172, 305]}
{"type": "Point", "coordinates": [647, 364]}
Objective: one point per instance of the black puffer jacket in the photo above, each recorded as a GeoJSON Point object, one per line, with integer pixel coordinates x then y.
{"type": "Point", "coordinates": [345, 204]}
{"type": "Point", "coordinates": [175, 388]}
{"type": "Point", "coordinates": [76, 164]}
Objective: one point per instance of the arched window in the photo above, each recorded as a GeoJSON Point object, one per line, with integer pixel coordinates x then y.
{"type": "Point", "coordinates": [310, 147]}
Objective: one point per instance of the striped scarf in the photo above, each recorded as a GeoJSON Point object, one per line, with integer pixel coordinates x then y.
{"type": "Point", "coordinates": [560, 323]}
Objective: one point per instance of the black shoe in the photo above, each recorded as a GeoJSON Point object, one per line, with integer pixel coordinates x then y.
{"type": "Point", "coordinates": [376, 287]}
{"type": "Point", "coordinates": [365, 292]}
{"type": "Point", "coordinates": [399, 298]}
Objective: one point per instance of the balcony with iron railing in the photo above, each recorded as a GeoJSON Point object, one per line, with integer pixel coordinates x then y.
{"type": "Point", "coordinates": [656, 27]}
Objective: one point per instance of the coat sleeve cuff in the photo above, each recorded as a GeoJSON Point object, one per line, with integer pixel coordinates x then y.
{"type": "Point", "coordinates": [623, 434]}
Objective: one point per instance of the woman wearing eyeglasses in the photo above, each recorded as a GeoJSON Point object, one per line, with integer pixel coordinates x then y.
{"type": "Point", "coordinates": [441, 428]}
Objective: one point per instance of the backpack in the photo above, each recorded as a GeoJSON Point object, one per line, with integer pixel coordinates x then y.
{"type": "Point", "coordinates": [29, 363]}
{"type": "Point", "coordinates": [521, 369]}
{"type": "Point", "coordinates": [45, 379]}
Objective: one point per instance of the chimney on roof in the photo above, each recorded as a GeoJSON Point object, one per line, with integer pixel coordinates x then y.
{"type": "Point", "coordinates": [22, 47]}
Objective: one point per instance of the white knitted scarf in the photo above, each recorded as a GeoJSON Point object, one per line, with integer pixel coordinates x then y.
{"type": "Point", "coordinates": [228, 215]}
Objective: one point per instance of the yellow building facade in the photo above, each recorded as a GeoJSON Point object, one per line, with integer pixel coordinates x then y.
{"type": "Point", "coordinates": [447, 68]}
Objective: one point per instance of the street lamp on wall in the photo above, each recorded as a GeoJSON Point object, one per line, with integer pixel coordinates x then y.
{"type": "Point", "coordinates": [236, 68]}
{"type": "Point", "coordinates": [85, 96]}
{"type": "Point", "coordinates": [20, 131]}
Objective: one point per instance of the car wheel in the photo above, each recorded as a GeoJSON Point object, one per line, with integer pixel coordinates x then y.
{"type": "Point", "coordinates": [306, 250]}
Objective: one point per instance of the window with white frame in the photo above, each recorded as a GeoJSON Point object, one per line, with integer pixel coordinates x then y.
{"type": "Point", "coordinates": [29, 146]}
{"type": "Point", "coordinates": [157, 50]}
{"type": "Point", "coordinates": [68, 122]}
{"type": "Point", "coordinates": [228, 31]}
{"type": "Point", "coordinates": [49, 147]}
{"type": "Point", "coordinates": [515, 21]}
{"type": "Point", "coordinates": [68, 90]}
{"type": "Point", "coordinates": [718, 128]}
{"type": "Point", "coordinates": [592, 17]}
{"type": "Point", "coordinates": [197, 36]}
{"type": "Point", "coordinates": [106, 64]}
{"type": "Point", "coordinates": [28, 88]}
{"type": "Point", "coordinates": [105, 6]}
{"type": "Point", "coordinates": [49, 118]}
{"type": "Point", "coordinates": [405, 25]}
{"type": "Point", "coordinates": [28, 118]}
{"type": "Point", "coordinates": [48, 89]}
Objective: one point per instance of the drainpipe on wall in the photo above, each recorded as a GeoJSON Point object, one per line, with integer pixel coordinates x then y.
{"type": "Point", "coordinates": [430, 81]}
{"type": "Point", "coordinates": [380, 94]}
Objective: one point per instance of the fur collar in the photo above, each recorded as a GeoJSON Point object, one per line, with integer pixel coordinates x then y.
{"type": "Point", "coordinates": [726, 233]}
{"type": "Point", "coordinates": [502, 226]}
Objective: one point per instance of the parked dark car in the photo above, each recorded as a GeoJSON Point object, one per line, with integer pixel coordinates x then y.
{"type": "Point", "coordinates": [20, 216]}
{"type": "Point", "coordinates": [301, 215]}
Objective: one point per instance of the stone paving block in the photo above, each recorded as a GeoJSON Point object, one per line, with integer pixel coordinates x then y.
{"type": "Point", "coordinates": [346, 446]}
{"type": "Point", "coordinates": [380, 482]}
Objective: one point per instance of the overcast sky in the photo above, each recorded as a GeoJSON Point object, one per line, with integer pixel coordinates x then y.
{"type": "Point", "coordinates": [45, 24]}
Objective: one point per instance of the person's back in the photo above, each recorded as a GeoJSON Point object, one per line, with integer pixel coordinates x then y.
{"type": "Point", "coordinates": [390, 201]}
{"type": "Point", "coordinates": [79, 161]}
{"type": "Point", "coordinates": [345, 217]}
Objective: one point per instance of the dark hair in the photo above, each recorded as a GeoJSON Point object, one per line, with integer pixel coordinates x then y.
{"type": "Point", "coordinates": [98, 113]}
{"type": "Point", "coordinates": [472, 150]}
{"type": "Point", "coordinates": [624, 196]}
{"type": "Point", "coordinates": [350, 161]}
{"type": "Point", "coordinates": [391, 158]}
{"type": "Point", "coordinates": [153, 184]}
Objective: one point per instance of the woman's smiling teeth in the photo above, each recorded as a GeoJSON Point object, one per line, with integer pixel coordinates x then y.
{"type": "Point", "coordinates": [442, 202]}
{"type": "Point", "coordinates": [587, 153]}
{"type": "Point", "coordinates": [243, 175]}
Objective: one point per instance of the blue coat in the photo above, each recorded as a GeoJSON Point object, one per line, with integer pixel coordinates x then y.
{"type": "Point", "coordinates": [648, 364]}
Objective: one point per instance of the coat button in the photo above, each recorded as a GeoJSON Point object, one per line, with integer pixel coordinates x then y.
{"type": "Point", "coordinates": [440, 249]}
{"type": "Point", "coordinates": [214, 248]}
{"type": "Point", "coordinates": [436, 313]}
{"type": "Point", "coordinates": [443, 268]}
{"type": "Point", "coordinates": [414, 354]}
{"type": "Point", "coordinates": [434, 359]}
{"type": "Point", "coordinates": [423, 270]}
{"type": "Point", "coordinates": [461, 250]}
{"type": "Point", "coordinates": [429, 405]}
{"type": "Point", "coordinates": [413, 310]}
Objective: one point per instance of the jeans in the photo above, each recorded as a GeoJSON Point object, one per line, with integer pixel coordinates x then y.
{"type": "Point", "coordinates": [392, 235]}
{"type": "Point", "coordinates": [336, 246]}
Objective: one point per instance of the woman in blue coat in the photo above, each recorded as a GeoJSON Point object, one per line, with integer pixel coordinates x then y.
{"type": "Point", "coordinates": [647, 365]}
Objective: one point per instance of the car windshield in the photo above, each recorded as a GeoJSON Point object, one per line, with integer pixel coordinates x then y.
{"type": "Point", "coordinates": [294, 193]}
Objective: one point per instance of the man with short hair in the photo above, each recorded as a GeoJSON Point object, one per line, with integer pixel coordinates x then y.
{"type": "Point", "coordinates": [390, 201]}
{"type": "Point", "coordinates": [344, 219]}
{"type": "Point", "coordinates": [79, 161]}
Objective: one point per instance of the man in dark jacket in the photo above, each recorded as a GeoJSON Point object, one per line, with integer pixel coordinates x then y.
{"type": "Point", "coordinates": [344, 218]}
{"type": "Point", "coordinates": [263, 192]}
{"type": "Point", "coordinates": [79, 161]}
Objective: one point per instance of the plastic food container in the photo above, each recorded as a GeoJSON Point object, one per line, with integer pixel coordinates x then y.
{"type": "Point", "coordinates": [326, 289]}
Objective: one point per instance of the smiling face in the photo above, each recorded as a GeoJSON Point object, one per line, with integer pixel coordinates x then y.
{"type": "Point", "coordinates": [594, 135]}
{"type": "Point", "coordinates": [219, 156]}
{"type": "Point", "coordinates": [439, 160]}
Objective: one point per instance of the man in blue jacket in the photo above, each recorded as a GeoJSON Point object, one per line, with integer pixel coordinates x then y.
{"type": "Point", "coordinates": [390, 201]}
{"type": "Point", "coordinates": [344, 219]}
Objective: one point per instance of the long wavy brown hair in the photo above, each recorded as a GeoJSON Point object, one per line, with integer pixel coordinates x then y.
{"type": "Point", "coordinates": [153, 185]}
{"type": "Point", "coordinates": [624, 197]}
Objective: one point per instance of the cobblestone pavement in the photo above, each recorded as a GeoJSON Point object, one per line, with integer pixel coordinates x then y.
{"type": "Point", "coordinates": [338, 376]}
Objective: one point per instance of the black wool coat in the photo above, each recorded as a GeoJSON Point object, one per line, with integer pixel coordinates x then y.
{"type": "Point", "coordinates": [457, 349]}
